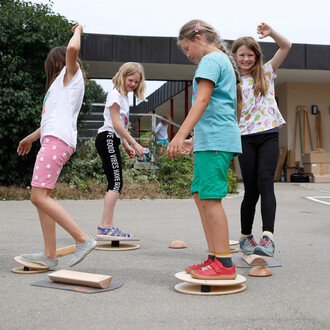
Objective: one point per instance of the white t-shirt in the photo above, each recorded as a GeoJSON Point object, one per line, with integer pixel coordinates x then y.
{"type": "Point", "coordinates": [61, 107]}
{"type": "Point", "coordinates": [122, 100]}
{"type": "Point", "coordinates": [260, 113]}
{"type": "Point", "coordinates": [161, 131]}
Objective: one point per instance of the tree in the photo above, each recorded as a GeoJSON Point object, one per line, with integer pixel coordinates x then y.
{"type": "Point", "coordinates": [95, 92]}
{"type": "Point", "coordinates": [28, 32]}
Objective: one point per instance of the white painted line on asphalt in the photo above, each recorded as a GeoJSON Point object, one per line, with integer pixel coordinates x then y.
{"type": "Point", "coordinates": [317, 199]}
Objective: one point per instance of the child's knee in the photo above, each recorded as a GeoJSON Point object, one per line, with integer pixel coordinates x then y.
{"type": "Point", "coordinates": [36, 197]}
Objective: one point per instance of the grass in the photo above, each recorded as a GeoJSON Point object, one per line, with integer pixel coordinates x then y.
{"type": "Point", "coordinates": [131, 190]}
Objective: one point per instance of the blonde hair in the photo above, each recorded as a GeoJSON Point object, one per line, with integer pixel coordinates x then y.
{"type": "Point", "coordinates": [55, 62]}
{"type": "Point", "coordinates": [257, 71]}
{"type": "Point", "coordinates": [194, 27]}
{"type": "Point", "coordinates": [128, 69]}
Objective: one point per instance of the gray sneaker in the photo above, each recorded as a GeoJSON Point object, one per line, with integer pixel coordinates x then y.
{"type": "Point", "coordinates": [41, 259]}
{"type": "Point", "coordinates": [266, 247]}
{"type": "Point", "coordinates": [247, 244]}
{"type": "Point", "coordinates": [82, 250]}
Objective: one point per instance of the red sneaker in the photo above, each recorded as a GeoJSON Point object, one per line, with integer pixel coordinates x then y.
{"type": "Point", "coordinates": [214, 271]}
{"type": "Point", "coordinates": [205, 263]}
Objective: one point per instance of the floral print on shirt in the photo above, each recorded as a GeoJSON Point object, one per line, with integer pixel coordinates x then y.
{"type": "Point", "coordinates": [259, 113]}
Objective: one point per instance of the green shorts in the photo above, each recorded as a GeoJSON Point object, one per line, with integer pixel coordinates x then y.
{"type": "Point", "coordinates": [210, 174]}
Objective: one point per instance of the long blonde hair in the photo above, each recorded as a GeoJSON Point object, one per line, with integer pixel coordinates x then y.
{"type": "Point", "coordinates": [194, 27]}
{"type": "Point", "coordinates": [55, 62]}
{"type": "Point", "coordinates": [128, 69]}
{"type": "Point", "coordinates": [257, 71]}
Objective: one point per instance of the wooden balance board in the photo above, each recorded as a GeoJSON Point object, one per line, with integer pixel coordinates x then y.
{"type": "Point", "coordinates": [79, 278]}
{"type": "Point", "coordinates": [254, 260]}
{"type": "Point", "coordinates": [116, 244]}
{"type": "Point", "coordinates": [209, 287]}
{"type": "Point", "coordinates": [30, 267]}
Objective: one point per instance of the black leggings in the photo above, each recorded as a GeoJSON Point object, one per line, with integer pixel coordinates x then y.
{"type": "Point", "coordinates": [107, 145]}
{"type": "Point", "coordinates": [258, 164]}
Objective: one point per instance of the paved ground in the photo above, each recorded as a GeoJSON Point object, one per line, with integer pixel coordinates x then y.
{"type": "Point", "coordinates": [295, 297]}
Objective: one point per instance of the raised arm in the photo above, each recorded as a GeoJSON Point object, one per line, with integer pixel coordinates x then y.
{"type": "Point", "coordinates": [72, 52]}
{"type": "Point", "coordinates": [265, 30]}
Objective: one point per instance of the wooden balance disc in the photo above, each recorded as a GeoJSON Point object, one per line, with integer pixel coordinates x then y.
{"type": "Point", "coordinates": [33, 267]}
{"type": "Point", "coordinates": [29, 267]}
{"type": "Point", "coordinates": [116, 244]}
{"type": "Point", "coordinates": [209, 287]}
{"type": "Point", "coordinates": [233, 248]}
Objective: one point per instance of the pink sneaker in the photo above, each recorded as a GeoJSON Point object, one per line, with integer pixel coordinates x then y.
{"type": "Point", "coordinates": [214, 271]}
{"type": "Point", "coordinates": [205, 263]}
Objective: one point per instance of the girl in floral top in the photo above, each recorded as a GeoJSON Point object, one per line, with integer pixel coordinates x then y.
{"type": "Point", "coordinates": [259, 125]}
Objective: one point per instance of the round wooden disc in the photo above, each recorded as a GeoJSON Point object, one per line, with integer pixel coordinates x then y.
{"type": "Point", "coordinates": [233, 250]}
{"type": "Point", "coordinates": [189, 288]}
{"type": "Point", "coordinates": [20, 270]}
{"type": "Point", "coordinates": [121, 247]}
{"type": "Point", "coordinates": [231, 242]}
{"type": "Point", "coordinates": [184, 277]}
{"type": "Point", "coordinates": [30, 264]}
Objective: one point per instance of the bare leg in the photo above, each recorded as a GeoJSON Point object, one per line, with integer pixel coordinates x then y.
{"type": "Point", "coordinates": [110, 200]}
{"type": "Point", "coordinates": [40, 197]}
{"type": "Point", "coordinates": [216, 224]}
{"type": "Point", "coordinates": [202, 214]}
{"type": "Point", "coordinates": [48, 226]}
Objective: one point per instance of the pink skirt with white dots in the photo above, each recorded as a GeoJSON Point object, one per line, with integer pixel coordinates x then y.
{"type": "Point", "coordinates": [52, 156]}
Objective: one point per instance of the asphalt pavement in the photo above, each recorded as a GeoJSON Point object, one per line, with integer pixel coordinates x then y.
{"type": "Point", "coordinates": [296, 296]}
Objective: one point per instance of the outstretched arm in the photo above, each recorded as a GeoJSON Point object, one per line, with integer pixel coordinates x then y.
{"type": "Point", "coordinates": [265, 30]}
{"type": "Point", "coordinates": [25, 145]}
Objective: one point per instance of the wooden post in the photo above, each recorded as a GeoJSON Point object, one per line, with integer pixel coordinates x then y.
{"type": "Point", "coordinates": [139, 127]}
{"type": "Point", "coordinates": [186, 99]}
{"type": "Point", "coordinates": [172, 116]}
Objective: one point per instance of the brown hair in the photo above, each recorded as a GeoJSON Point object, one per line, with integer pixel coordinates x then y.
{"type": "Point", "coordinates": [257, 71]}
{"type": "Point", "coordinates": [54, 64]}
{"type": "Point", "coordinates": [194, 27]}
{"type": "Point", "coordinates": [128, 69]}
{"type": "Point", "coordinates": [168, 117]}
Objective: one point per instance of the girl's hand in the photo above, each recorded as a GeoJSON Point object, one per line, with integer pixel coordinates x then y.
{"type": "Point", "coordinates": [79, 28]}
{"type": "Point", "coordinates": [24, 146]}
{"type": "Point", "coordinates": [130, 152]}
{"type": "Point", "coordinates": [140, 150]}
{"type": "Point", "coordinates": [264, 30]}
{"type": "Point", "coordinates": [187, 147]}
{"type": "Point", "coordinates": [174, 149]}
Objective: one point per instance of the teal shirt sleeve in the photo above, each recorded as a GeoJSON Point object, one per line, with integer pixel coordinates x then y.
{"type": "Point", "coordinates": [208, 69]}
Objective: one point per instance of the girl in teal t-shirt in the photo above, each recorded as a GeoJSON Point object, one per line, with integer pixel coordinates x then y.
{"type": "Point", "coordinates": [216, 140]}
